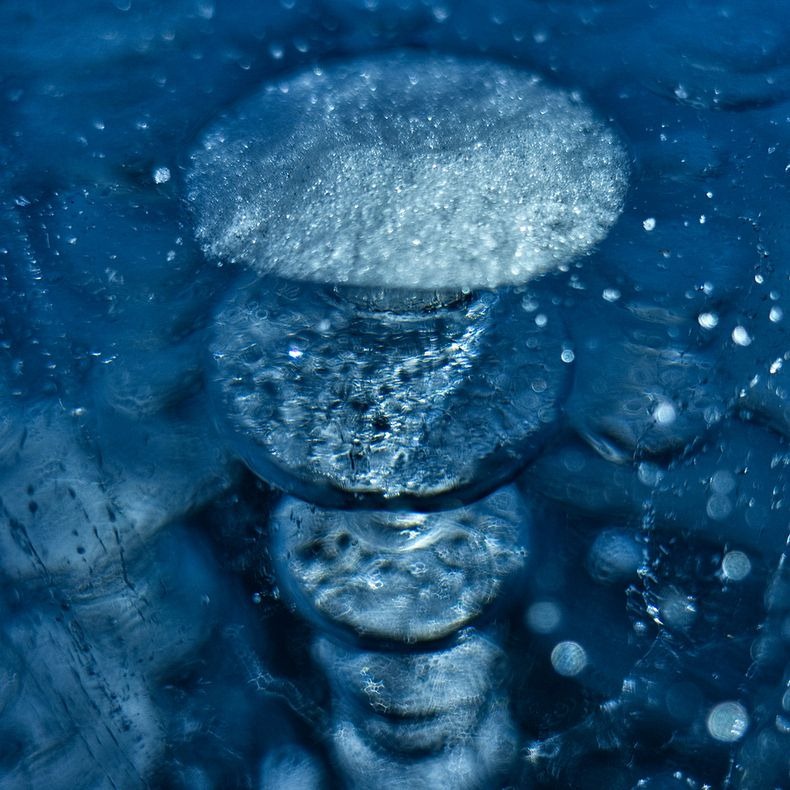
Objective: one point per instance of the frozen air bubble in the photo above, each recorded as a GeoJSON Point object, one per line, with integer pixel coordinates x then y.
{"type": "Point", "coordinates": [568, 659]}
{"type": "Point", "coordinates": [708, 320]}
{"type": "Point", "coordinates": [614, 555]}
{"type": "Point", "coordinates": [407, 171]}
{"type": "Point", "coordinates": [735, 566]}
{"type": "Point", "coordinates": [728, 722]}
{"type": "Point", "coordinates": [543, 617]}
{"type": "Point", "coordinates": [741, 337]}
{"type": "Point", "coordinates": [402, 576]}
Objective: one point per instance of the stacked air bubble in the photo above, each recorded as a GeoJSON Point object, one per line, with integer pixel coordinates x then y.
{"type": "Point", "coordinates": [385, 352]}
{"type": "Point", "coordinates": [383, 346]}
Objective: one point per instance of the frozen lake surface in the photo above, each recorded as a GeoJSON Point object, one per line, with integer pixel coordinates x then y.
{"type": "Point", "coordinates": [394, 393]}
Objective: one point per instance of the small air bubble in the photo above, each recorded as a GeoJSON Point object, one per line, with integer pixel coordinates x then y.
{"type": "Point", "coordinates": [567, 356]}
{"type": "Point", "coordinates": [776, 314]}
{"type": "Point", "coordinates": [740, 336]}
{"type": "Point", "coordinates": [718, 507]}
{"type": "Point", "coordinates": [568, 659]}
{"type": "Point", "coordinates": [722, 482]}
{"type": "Point", "coordinates": [649, 224]}
{"type": "Point", "coordinates": [664, 413]}
{"type": "Point", "coordinates": [728, 722]}
{"type": "Point", "coordinates": [161, 175]}
{"type": "Point", "coordinates": [708, 320]}
{"type": "Point", "coordinates": [735, 566]}
{"type": "Point", "coordinates": [610, 294]}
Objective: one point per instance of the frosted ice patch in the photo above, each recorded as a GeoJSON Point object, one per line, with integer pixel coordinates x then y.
{"type": "Point", "coordinates": [408, 171]}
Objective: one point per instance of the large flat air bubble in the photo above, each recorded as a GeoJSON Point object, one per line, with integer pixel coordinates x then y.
{"type": "Point", "coordinates": [401, 576]}
{"type": "Point", "coordinates": [407, 171]}
{"type": "Point", "coordinates": [415, 685]}
{"type": "Point", "coordinates": [346, 405]}
{"type": "Point", "coordinates": [474, 759]}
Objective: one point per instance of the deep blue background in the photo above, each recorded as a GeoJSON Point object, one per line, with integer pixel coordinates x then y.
{"type": "Point", "coordinates": [106, 306]}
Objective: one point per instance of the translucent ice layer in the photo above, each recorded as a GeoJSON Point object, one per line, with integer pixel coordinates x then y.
{"type": "Point", "coordinates": [407, 171]}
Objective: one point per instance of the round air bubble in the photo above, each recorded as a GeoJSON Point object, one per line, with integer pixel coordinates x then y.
{"type": "Point", "coordinates": [614, 556]}
{"type": "Point", "coordinates": [735, 566]}
{"type": "Point", "coordinates": [401, 576]}
{"type": "Point", "coordinates": [415, 684]}
{"type": "Point", "coordinates": [728, 722]}
{"type": "Point", "coordinates": [407, 171]}
{"type": "Point", "coordinates": [346, 406]}
{"type": "Point", "coordinates": [568, 659]}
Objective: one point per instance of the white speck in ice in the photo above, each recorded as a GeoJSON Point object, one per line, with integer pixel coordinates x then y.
{"type": "Point", "coordinates": [708, 320]}
{"type": "Point", "coordinates": [740, 336]}
{"type": "Point", "coordinates": [611, 294]}
{"type": "Point", "coordinates": [664, 413]}
{"type": "Point", "coordinates": [775, 314]}
{"type": "Point", "coordinates": [161, 175]}
{"type": "Point", "coordinates": [649, 224]}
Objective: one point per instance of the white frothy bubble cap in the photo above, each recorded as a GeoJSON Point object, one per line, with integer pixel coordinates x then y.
{"type": "Point", "coordinates": [407, 171]}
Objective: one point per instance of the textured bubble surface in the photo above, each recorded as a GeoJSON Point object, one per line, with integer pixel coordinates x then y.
{"type": "Point", "coordinates": [406, 170]}
{"type": "Point", "coordinates": [344, 405]}
{"type": "Point", "coordinates": [400, 576]}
